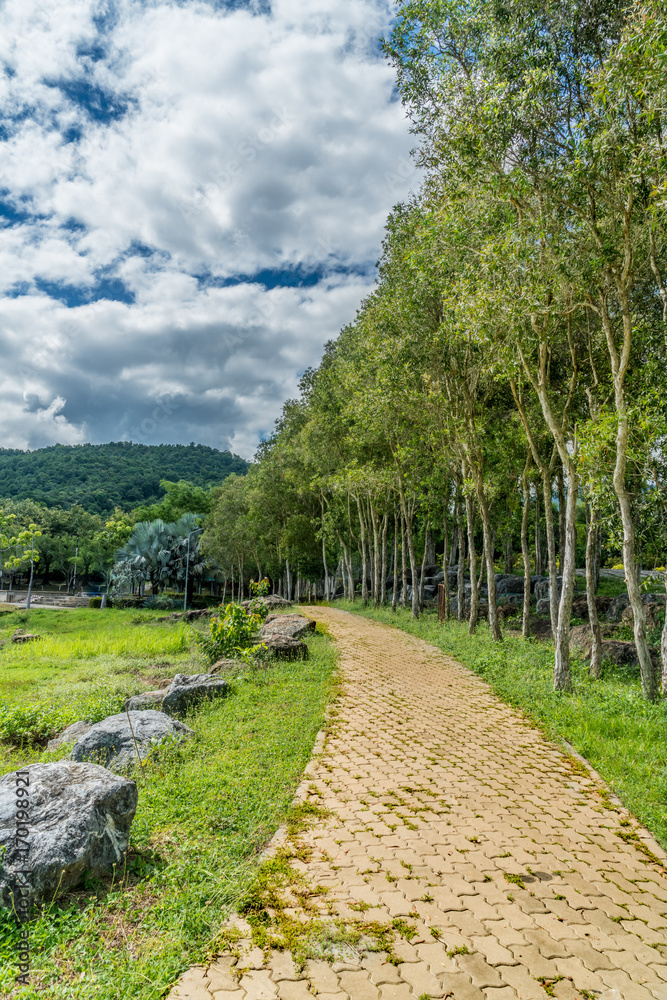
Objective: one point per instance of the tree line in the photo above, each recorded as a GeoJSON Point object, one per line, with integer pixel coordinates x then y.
{"type": "Point", "coordinates": [505, 380]}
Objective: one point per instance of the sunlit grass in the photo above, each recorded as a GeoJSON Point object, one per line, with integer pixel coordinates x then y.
{"type": "Point", "coordinates": [206, 808]}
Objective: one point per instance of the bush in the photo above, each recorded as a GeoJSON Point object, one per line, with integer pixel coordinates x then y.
{"type": "Point", "coordinates": [129, 601]}
{"type": "Point", "coordinates": [162, 602]}
{"type": "Point", "coordinates": [95, 602]}
{"type": "Point", "coordinates": [229, 635]}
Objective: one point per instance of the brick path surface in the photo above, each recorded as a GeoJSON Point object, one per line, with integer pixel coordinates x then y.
{"type": "Point", "coordinates": [451, 812]}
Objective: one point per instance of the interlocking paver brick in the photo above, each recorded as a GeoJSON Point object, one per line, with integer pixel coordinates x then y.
{"type": "Point", "coordinates": [289, 990]}
{"type": "Point", "coordinates": [412, 721]}
{"type": "Point", "coordinates": [358, 985]}
{"type": "Point", "coordinates": [258, 985]}
{"type": "Point", "coordinates": [417, 975]}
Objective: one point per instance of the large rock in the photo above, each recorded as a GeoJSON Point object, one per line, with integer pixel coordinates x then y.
{"type": "Point", "coordinates": [617, 607]}
{"type": "Point", "coordinates": [581, 637]}
{"type": "Point", "coordinates": [111, 742]}
{"type": "Point", "coordinates": [284, 647]}
{"type": "Point", "coordinates": [543, 589]}
{"type": "Point", "coordinates": [615, 650]}
{"type": "Point", "coordinates": [69, 735]}
{"type": "Point", "coordinates": [149, 699]}
{"type": "Point", "coordinates": [543, 606]}
{"type": "Point", "coordinates": [293, 626]}
{"type": "Point", "coordinates": [653, 607]}
{"type": "Point", "coordinates": [507, 583]}
{"type": "Point", "coordinates": [79, 821]}
{"type": "Point", "coordinates": [272, 602]}
{"type": "Point", "coordinates": [187, 690]}
{"type": "Point", "coordinates": [580, 606]}
{"type": "Point", "coordinates": [515, 599]}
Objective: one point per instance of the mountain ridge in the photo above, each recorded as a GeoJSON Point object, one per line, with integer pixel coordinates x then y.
{"type": "Point", "coordinates": [103, 476]}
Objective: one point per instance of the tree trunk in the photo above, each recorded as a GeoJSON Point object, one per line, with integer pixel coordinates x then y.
{"type": "Point", "coordinates": [407, 518]}
{"type": "Point", "coordinates": [494, 624]}
{"type": "Point", "coordinates": [376, 555]}
{"type": "Point", "coordinates": [460, 576]}
{"type": "Point", "coordinates": [383, 580]}
{"type": "Point", "coordinates": [409, 537]}
{"type": "Point", "coordinates": [547, 491]}
{"type": "Point", "coordinates": [619, 367]}
{"type": "Point", "coordinates": [326, 570]}
{"type": "Point", "coordinates": [482, 565]}
{"type": "Point", "coordinates": [427, 538]}
{"type": "Point", "coordinates": [453, 552]}
{"type": "Point", "coordinates": [539, 561]}
{"type": "Point", "coordinates": [364, 556]}
{"type": "Point", "coordinates": [595, 668]}
{"type": "Point", "coordinates": [561, 519]}
{"type": "Point", "coordinates": [445, 568]}
{"type": "Point", "coordinates": [508, 552]}
{"type": "Point", "coordinates": [404, 573]}
{"type": "Point", "coordinates": [525, 551]}
{"type": "Point", "coordinates": [562, 675]}
{"type": "Point", "coordinates": [394, 594]}
{"type": "Point", "coordinates": [472, 565]}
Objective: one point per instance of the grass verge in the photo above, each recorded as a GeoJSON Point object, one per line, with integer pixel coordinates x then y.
{"type": "Point", "coordinates": [606, 721]}
{"type": "Point", "coordinates": [206, 809]}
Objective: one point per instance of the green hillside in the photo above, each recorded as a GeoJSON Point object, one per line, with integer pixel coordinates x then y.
{"type": "Point", "coordinates": [103, 476]}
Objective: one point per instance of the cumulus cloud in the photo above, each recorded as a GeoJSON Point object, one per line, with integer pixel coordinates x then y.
{"type": "Point", "coordinates": [191, 202]}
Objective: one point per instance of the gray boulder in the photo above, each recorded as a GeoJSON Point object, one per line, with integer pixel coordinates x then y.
{"type": "Point", "coordinates": [543, 606]}
{"type": "Point", "coordinates": [149, 699]}
{"type": "Point", "coordinates": [111, 742]}
{"type": "Point", "coordinates": [187, 690]}
{"type": "Point", "coordinates": [284, 647]}
{"type": "Point", "coordinates": [507, 583]}
{"type": "Point", "coordinates": [620, 603]}
{"type": "Point", "coordinates": [80, 818]}
{"type": "Point", "coordinates": [543, 590]}
{"type": "Point", "coordinates": [272, 602]}
{"type": "Point", "coordinates": [617, 607]}
{"type": "Point", "coordinates": [514, 599]}
{"type": "Point", "coordinates": [294, 626]}
{"type": "Point", "coordinates": [69, 735]}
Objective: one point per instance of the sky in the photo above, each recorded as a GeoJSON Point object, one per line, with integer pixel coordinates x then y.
{"type": "Point", "coordinates": [192, 199]}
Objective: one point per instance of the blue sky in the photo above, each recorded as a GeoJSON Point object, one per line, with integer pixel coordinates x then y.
{"type": "Point", "coordinates": [192, 198]}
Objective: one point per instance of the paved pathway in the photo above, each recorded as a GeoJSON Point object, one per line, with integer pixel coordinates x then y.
{"type": "Point", "coordinates": [442, 800]}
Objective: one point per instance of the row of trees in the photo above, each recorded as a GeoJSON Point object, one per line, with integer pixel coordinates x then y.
{"type": "Point", "coordinates": [509, 368]}
{"type": "Point", "coordinates": [74, 546]}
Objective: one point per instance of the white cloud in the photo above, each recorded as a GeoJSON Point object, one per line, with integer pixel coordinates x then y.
{"type": "Point", "coordinates": [221, 144]}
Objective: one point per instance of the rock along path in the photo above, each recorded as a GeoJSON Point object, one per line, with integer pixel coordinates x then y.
{"type": "Point", "coordinates": [450, 812]}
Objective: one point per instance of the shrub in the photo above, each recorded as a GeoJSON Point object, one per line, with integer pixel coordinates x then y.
{"type": "Point", "coordinates": [129, 601]}
{"type": "Point", "coordinates": [230, 634]}
{"type": "Point", "coordinates": [95, 602]}
{"type": "Point", "coordinates": [162, 602]}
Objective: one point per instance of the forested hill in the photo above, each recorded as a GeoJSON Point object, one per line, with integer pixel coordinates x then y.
{"type": "Point", "coordinates": [103, 476]}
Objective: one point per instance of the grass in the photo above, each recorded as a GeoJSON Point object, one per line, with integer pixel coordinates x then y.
{"type": "Point", "coordinates": [206, 807]}
{"type": "Point", "coordinates": [606, 721]}
{"type": "Point", "coordinates": [84, 667]}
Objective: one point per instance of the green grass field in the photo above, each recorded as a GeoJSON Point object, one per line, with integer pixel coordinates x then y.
{"type": "Point", "coordinates": [206, 807]}
{"type": "Point", "coordinates": [606, 721]}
